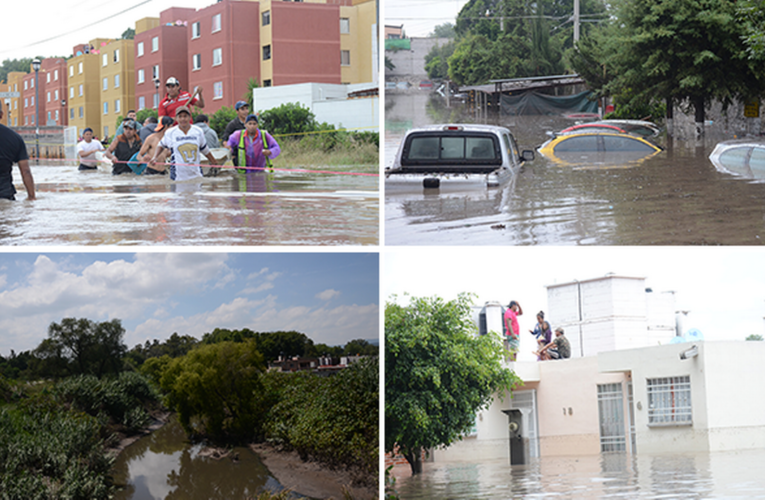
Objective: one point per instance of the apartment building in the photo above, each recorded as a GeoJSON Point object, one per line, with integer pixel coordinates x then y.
{"type": "Point", "coordinates": [84, 86]}
{"type": "Point", "coordinates": [358, 42]}
{"type": "Point", "coordinates": [29, 94]}
{"type": "Point", "coordinates": [117, 79]}
{"type": "Point", "coordinates": [53, 104]}
{"type": "Point", "coordinates": [161, 51]}
{"type": "Point", "coordinates": [13, 108]}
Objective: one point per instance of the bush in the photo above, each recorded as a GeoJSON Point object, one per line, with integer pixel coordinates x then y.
{"type": "Point", "coordinates": [220, 119]}
{"type": "Point", "coordinates": [288, 119]}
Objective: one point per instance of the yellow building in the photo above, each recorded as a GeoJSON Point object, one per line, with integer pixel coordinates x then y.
{"type": "Point", "coordinates": [117, 83]}
{"type": "Point", "coordinates": [84, 94]}
{"type": "Point", "coordinates": [358, 42]}
{"type": "Point", "coordinates": [13, 116]}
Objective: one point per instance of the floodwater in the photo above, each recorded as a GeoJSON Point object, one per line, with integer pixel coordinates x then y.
{"type": "Point", "coordinates": [676, 197]}
{"type": "Point", "coordinates": [721, 475]}
{"type": "Point", "coordinates": [258, 208]}
{"type": "Point", "coordinates": [164, 465]}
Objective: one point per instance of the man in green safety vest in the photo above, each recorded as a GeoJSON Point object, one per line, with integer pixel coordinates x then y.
{"type": "Point", "coordinates": [252, 148]}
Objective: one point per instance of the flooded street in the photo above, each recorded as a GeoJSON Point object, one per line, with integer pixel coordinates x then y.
{"type": "Point", "coordinates": [164, 465]}
{"type": "Point", "coordinates": [280, 208]}
{"type": "Point", "coordinates": [674, 198]}
{"type": "Point", "coordinates": [730, 475]}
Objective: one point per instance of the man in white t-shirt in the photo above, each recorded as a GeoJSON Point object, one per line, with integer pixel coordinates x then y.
{"type": "Point", "coordinates": [186, 142]}
{"type": "Point", "coordinates": [86, 150]}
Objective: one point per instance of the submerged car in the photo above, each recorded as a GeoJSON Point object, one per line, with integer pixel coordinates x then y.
{"type": "Point", "coordinates": [597, 147]}
{"type": "Point", "coordinates": [744, 157]}
{"type": "Point", "coordinates": [457, 154]}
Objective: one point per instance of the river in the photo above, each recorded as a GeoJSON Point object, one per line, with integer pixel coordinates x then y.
{"type": "Point", "coordinates": [720, 475]}
{"type": "Point", "coordinates": [280, 208]}
{"type": "Point", "coordinates": [164, 465]}
{"type": "Point", "coordinates": [674, 198]}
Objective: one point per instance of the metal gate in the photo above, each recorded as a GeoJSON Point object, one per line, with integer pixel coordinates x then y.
{"type": "Point", "coordinates": [611, 417]}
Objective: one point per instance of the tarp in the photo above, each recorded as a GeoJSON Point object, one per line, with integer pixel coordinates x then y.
{"type": "Point", "coordinates": [534, 103]}
{"type": "Point", "coordinates": [398, 44]}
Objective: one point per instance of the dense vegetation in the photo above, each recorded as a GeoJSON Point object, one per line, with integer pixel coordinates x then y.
{"type": "Point", "coordinates": [438, 374]}
{"type": "Point", "coordinates": [65, 402]}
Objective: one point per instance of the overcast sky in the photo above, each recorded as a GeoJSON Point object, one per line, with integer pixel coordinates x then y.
{"type": "Point", "coordinates": [722, 287]}
{"type": "Point", "coordinates": [419, 17]}
{"type": "Point", "coordinates": [50, 28]}
{"type": "Point", "coordinates": [331, 297]}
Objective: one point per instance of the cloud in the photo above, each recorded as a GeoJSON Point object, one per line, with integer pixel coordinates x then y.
{"type": "Point", "coordinates": [327, 294]}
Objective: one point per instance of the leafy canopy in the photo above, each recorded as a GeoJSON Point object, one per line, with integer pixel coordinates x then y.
{"type": "Point", "coordinates": [438, 373]}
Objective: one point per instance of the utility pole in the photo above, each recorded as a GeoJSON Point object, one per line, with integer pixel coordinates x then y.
{"type": "Point", "coordinates": [576, 21]}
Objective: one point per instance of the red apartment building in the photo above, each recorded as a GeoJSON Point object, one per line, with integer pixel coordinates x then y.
{"type": "Point", "coordinates": [223, 51]}
{"type": "Point", "coordinates": [161, 51]}
{"type": "Point", "coordinates": [53, 86]}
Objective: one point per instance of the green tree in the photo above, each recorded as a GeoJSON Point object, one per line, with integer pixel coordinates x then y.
{"type": "Point", "coordinates": [217, 390]}
{"type": "Point", "coordinates": [437, 61]}
{"type": "Point", "coordinates": [445, 30]}
{"type": "Point", "coordinates": [360, 347]}
{"type": "Point", "coordinates": [9, 65]}
{"type": "Point", "coordinates": [289, 118]}
{"type": "Point", "coordinates": [128, 34]}
{"type": "Point", "coordinates": [252, 84]}
{"type": "Point", "coordinates": [438, 374]}
{"type": "Point", "coordinates": [754, 336]}
{"type": "Point", "coordinates": [751, 14]}
{"type": "Point", "coordinates": [220, 119]}
{"type": "Point", "coordinates": [84, 346]}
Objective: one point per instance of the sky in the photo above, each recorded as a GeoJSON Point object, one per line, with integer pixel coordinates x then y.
{"type": "Point", "coordinates": [330, 297]}
{"type": "Point", "coordinates": [722, 287]}
{"type": "Point", "coordinates": [419, 17]}
{"type": "Point", "coordinates": [50, 28]}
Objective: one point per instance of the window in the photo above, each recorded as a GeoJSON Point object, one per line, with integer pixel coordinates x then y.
{"type": "Point", "coordinates": [81, 112]}
{"type": "Point", "coordinates": [26, 102]}
{"type": "Point", "coordinates": [195, 32]}
{"type": "Point", "coordinates": [71, 70]}
{"type": "Point", "coordinates": [345, 25]}
{"type": "Point", "coordinates": [25, 84]}
{"type": "Point", "coordinates": [50, 116]}
{"type": "Point", "coordinates": [80, 94]}
{"type": "Point", "coordinates": [266, 18]}
{"type": "Point", "coordinates": [216, 23]}
{"type": "Point", "coordinates": [104, 59]}
{"type": "Point", "coordinates": [266, 83]}
{"type": "Point", "coordinates": [155, 72]}
{"type": "Point", "coordinates": [71, 113]}
{"type": "Point", "coordinates": [218, 90]}
{"type": "Point", "coordinates": [48, 97]}
{"type": "Point", "coordinates": [139, 49]}
{"type": "Point", "coordinates": [345, 58]}
{"type": "Point", "coordinates": [669, 401]}
{"type": "Point", "coordinates": [141, 76]}
{"type": "Point", "coordinates": [79, 66]}
{"type": "Point", "coordinates": [55, 95]}
{"type": "Point", "coordinates": [56, 115]}
{"type": "Point", "coordinates": [141, 103]}
{"type": "Point", "coordinates": [117, 106]}
{"type": "Point", "coordinates": [196, 61]}
{"type": "Point", "coordinates": [116, 81]}
{"type": "Point", "coordinates": [55, 75]}
{"type": "Point", "coordinates": [156, 100]}
{"type": "Point", "coordinates": [155, 44]}
{"type": "Point", "coordinates": [266, 52]}
{"type": "Point", "coordinates": [71, 92]}
{"type": "Point", "coordinates": [48, 78]}
{"type": "Point", "coordinates": [116, 55]}
{"type": "Point", "coordinates": [32, 101]}
{"type": "Point", "coordinates": [106, 108]}
{"type": "Point", "coordinates": [106, 131]}
{"type": "Point", "coordinates": [106, 83]}
{"type": "Point", "coordinates": [217, 57]}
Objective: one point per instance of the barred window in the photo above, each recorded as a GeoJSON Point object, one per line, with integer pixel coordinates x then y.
{"type": "Point", "coordinates": [611, 416]}
{"type": "Point", "coordinates": [669, 401]}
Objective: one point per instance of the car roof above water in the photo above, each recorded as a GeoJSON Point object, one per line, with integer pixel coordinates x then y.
{"type": "Point", "coordinates": [456, 127]}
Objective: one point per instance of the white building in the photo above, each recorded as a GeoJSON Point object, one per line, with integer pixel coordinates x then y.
{"type": "Point", "coordinates": [626, 387]}
{"type": "Point", "coordinates": [353, 107]}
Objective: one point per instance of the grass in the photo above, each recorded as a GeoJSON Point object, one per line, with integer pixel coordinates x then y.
{"type": "Point", "coordinates": [361, 157]}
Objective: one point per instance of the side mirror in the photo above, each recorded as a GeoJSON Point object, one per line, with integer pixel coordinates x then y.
{"type": "Point", "coordinates": [527, 155]}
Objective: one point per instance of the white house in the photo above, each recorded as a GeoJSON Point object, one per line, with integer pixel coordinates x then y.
{"type": "Point", "coordinates": [627, 386]}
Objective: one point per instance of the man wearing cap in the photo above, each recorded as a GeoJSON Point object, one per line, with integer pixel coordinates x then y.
{"type": "Point", "coordinates": [123, 148]}
{"type": "Point", "coordinates": [185, 143]}
{"type": "Point", "coordinates": [149, 147]}
{"type": "Point", "coordinates": [130, 116]}
{"type": "Point", "coordinates": [242, 111]}
{"type": "Point", "coordinates": [252, 147]}
{"type": "Point", "coordinates": [13, 150]}
{"type": "Point", "coordinates": [86, 151]}
{"type": "Point", "coordinates": [176, 98]}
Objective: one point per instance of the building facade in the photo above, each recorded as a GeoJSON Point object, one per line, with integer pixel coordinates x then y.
{"type": "Point", "coordinates": [53, 103]}
{"type": "Point", "coordinates": [84, 84]}
{"type": "Point", "coordinates": [13, 108]}
{"type": "Point", "coordinates": [117, 79]}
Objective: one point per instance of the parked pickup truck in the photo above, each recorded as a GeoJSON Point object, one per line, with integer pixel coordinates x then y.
{"type": "Point", "coordinates": [457, 153]}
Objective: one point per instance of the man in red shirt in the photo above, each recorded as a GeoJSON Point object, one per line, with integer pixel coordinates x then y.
{"type": "Point", "coordinates": [176, 98]}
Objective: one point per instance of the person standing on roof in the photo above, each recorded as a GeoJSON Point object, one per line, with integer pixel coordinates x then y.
{"type": "Point", "coordinates": [185, 142]}
{"type": "Point", "coordinates": [252, 147]}
{"type": "Point", "coordinates": [176, 98]}
{"type": "Point", "coordinates": [242, 112]}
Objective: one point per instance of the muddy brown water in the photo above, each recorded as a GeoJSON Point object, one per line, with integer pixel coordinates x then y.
{"type": "Point", "coordinates": [165, 465]}
{"type": "Point", "coordinates": [676, 197]}
{"type": "Point", "coordinates": [282, 208]}
{"type": "Point", "coordinates": [720, 475]}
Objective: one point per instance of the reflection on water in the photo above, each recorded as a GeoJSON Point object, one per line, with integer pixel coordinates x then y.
{"type": "Point", "coordinates": [703, 475]}
{"type": "Point", "coordinates": [259, 208]}
{"type": "Point", "coordinates": [676, 197]}
{"type": "Point", "coordinates": [164, 465]}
